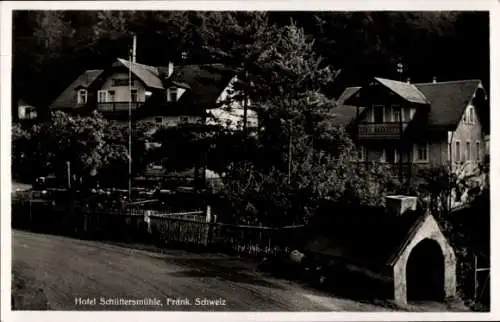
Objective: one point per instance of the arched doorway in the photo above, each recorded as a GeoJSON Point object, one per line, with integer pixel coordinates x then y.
{"type": "Point", "coordinates": [425, 272]}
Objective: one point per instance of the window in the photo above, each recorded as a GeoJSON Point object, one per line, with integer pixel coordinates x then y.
{"type": "Point", "coordinates": [134, 95]}
{"type": "Point", "coordinates": [184, 120]}
{"type": "Point", "coordinates": [158, 120]}
{"type": "Point", "coordinates": [102, 96]}
{"type": "Point", "coordinates": [382, 155]}
{"type": "Point", "coordinates": [396, 113]}
{"type": "Point", "coordinates": [390, 155]}
{"type": "Point", "coordinates": [111, 96]}
{"type": "Point", "coordinates": [471, 115]}
{"type": "Point", "coordinates": [457, 151]}
{"type": "Point", "coordinates": [172, 94]}
{"type": "Point", "coordinates": [361, 153]}
{"type": "Point", "coordinates": [122, 82]}
{"type": "Point", "coordinates": [478, 151]}
{"type": "Point", "coordinates": [468, 151]}
{"type": "Point", "coordinates": [378, 113]}
{"type": "Point", "coordinates": [396, 155]}
{"type": "Point", "coordinates": [82, 96]}
{"type": "Point", "coordinates": [421, 152]}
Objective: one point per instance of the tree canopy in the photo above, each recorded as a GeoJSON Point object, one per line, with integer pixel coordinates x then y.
{"type": "Point", "coordinates": [51, 48]}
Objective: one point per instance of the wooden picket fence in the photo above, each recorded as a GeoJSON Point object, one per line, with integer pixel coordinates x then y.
{"type": "Point", "coordinates": [182, 229]}
{"type": "Point", "coordinates": [257, 241]}
{"type": "Point", "coordinates": [176, 230]}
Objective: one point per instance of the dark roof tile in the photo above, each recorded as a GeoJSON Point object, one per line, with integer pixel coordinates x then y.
{"type": "Point", "coordinates": [203, 83]}
{"type": "Point", "coordinates": [346, 94]}
{"type": "Point", "coordinates": [345, 114]}
{"type": "Point", "coordinates": [406, 90]}
{"type": "Point", "coordinates": [67, 99]}
{"type": "Point", "coordinates": [364, 235]}
{"type": "Point", "coordinates": [206, 81]}
{"type": "Point", "coordinates": [448, 100]}
{"type": "Point", "coordinates": [148, 74]}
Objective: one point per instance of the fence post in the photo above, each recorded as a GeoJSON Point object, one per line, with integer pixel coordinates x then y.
{"type": "Point", "coordinates": [85, 217]}
{"type": "Point", "coordinates": [208, 214]}
{"type": "Point", "coordinates": [30, 216]}
{"type": "Point", "coordinates": [475, 278]}
{"type": "Point", "coordinates": [147, 220]}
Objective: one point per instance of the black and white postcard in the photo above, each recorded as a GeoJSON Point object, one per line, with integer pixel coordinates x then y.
{"type": "Point", "coordinates": [245, 158]}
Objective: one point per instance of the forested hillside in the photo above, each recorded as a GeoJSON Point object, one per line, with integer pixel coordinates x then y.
{"type": "Point", "coordinates": [51, 48]}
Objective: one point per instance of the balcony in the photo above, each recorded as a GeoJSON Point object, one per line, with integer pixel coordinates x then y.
{"type": "Point", "coordinates": [391, 130]}
{"type": "Point", "coordinates": [110, 107]}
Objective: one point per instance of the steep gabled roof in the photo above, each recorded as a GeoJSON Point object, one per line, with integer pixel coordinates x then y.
{"type": "Point", "coordinates": [149, 75]}
{"type": "Point", "coordinates": [346, 94]}
{"type": "Point", "coordinates": [345, 114]}
{"type": "Point", "coordinates": [206, 82]}
{"type": "Point", "coordinates": [407, 91]}
{"type": "Point", "coordinates": [448, 100]}
{"type": "Point", "coordinates": [67, 99]}
{"type": "Point", "coordinates": [22, 102]}
{"type": "Point", "coordinates": [203, 83]}
{"type": "Point", "coordinates": [365, 235]}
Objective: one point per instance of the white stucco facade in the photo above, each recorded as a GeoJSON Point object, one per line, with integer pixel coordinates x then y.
{"type": "Point", "coordinates": [428, 229]}
{"type": "Point", "coordinates": [120, 92]}
{"type": "Point", "coordinates": [230, 111]}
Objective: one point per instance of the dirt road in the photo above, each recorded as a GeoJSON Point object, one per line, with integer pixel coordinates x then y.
{"type": "Point", "coordinates": [72, 274]}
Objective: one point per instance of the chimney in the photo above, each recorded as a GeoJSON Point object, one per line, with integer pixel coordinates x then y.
{"type": "Point", "coordinates": [434, 79]}
{"type": "Point", "coordinates": [399, 204]}
{"type": "Point", "coordinates": [134, 48]}
{"type": "Point", "coordinates": [170, 68]}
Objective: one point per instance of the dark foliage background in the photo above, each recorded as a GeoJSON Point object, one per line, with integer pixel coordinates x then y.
{"type": "Point", "coordinates": [50, 49]}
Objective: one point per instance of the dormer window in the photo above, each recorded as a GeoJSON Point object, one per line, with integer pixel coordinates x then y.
{"type": "Point", "coordinates": [172, 94]}
{"type": "Point", "coordinates": [82, 96]}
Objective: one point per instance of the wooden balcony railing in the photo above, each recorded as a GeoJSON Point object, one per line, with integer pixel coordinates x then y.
{"type": "Point", "coordinates": [391, 130]}
{"type": "Point", "coordinates": [117, 106]}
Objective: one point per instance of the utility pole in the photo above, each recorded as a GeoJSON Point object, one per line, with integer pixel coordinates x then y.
{"type": "Point", "coordinates": [68, 173]}
{"type": "Point", "coordinates": [245, 107]}
{"type": "Point", "coordinates": [475, 278]}
{"type": "Point", "coordinates": [289, 151]}
{"type": "Point", "coordinates": [130, 121]}
{"type": "Point", "coordinates": [400, 146]}
{"type": "Point", "coordinates": [400, 72]}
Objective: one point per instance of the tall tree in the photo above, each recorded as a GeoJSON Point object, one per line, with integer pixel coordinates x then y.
{"type": "Point", "coordinates": [238, 39]}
